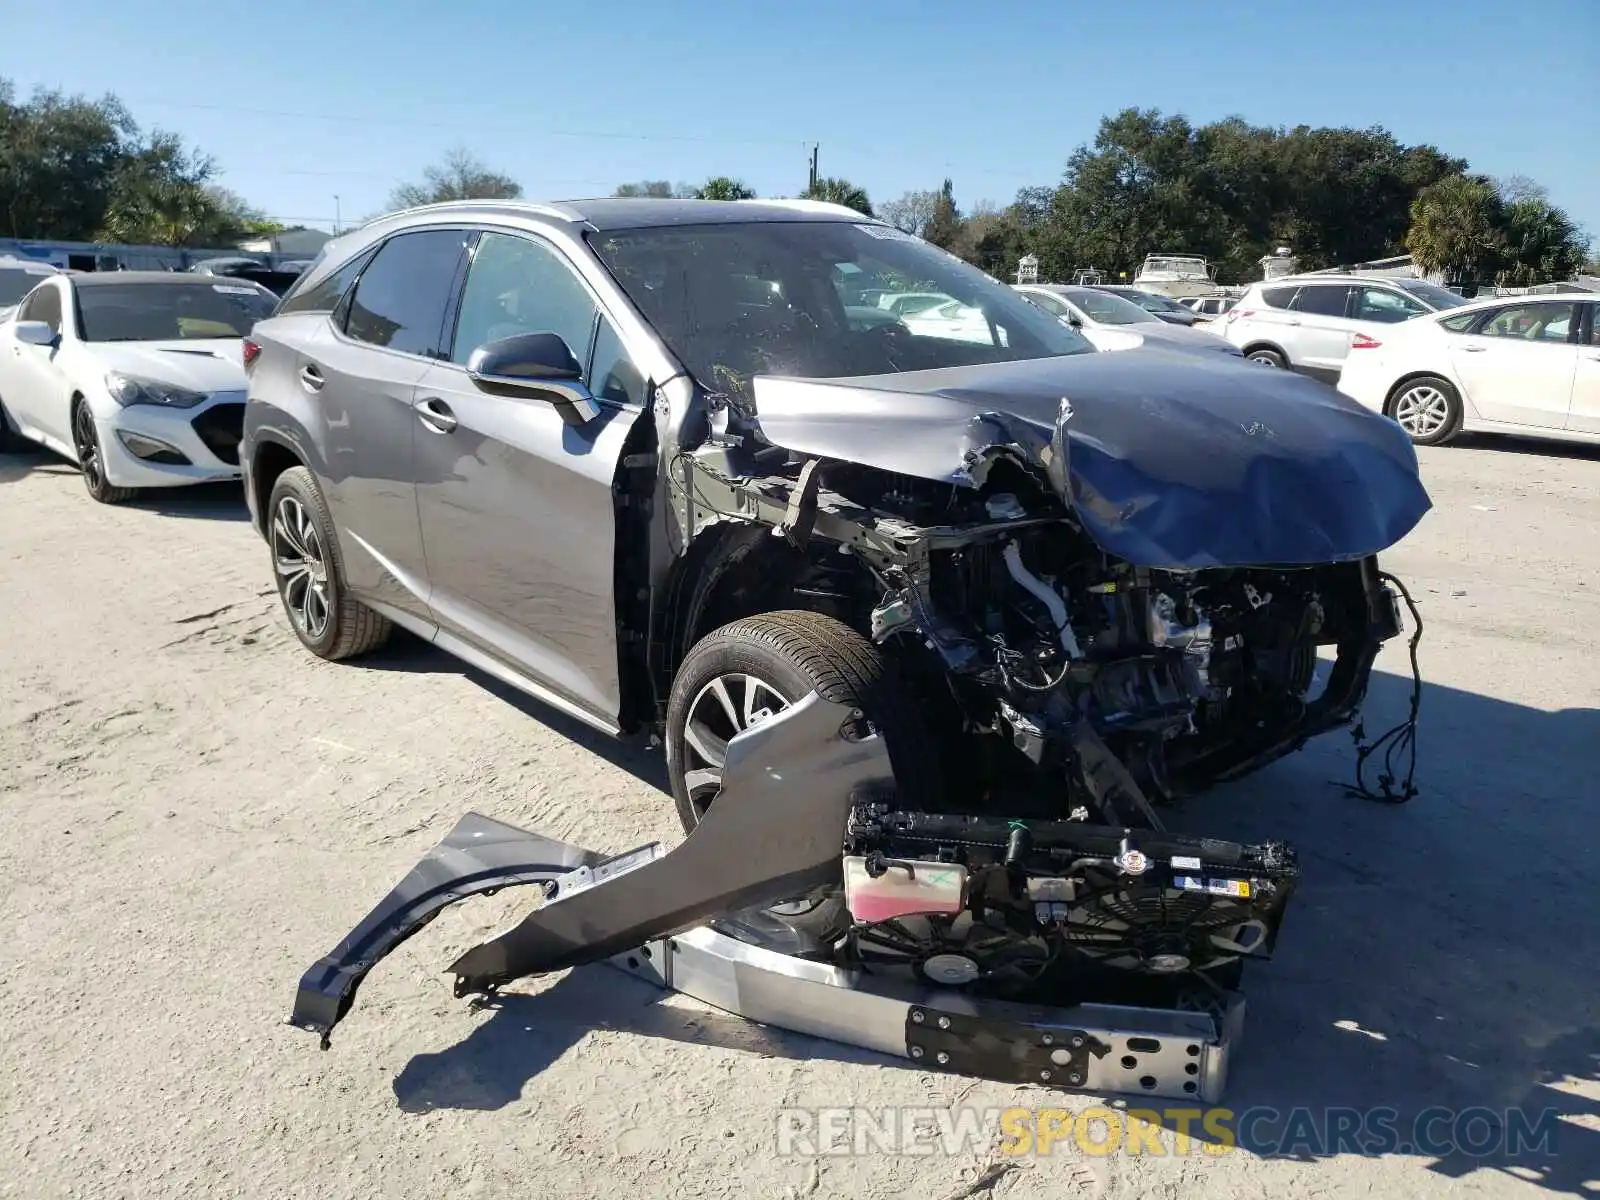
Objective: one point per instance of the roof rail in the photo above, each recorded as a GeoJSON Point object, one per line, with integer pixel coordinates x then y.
{"type": "Point", "coordinates": [801, 204]}
{"type": "Point", "coordinates": [548, 210]}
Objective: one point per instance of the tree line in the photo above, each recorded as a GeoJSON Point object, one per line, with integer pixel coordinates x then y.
{"type": "Point", "coordinates": [81, 170]}
{"type": "Point", "coordinates": [77, 169]}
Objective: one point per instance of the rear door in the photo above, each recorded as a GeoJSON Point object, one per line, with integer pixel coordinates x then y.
{"type": "Point", "coordinates": [363, 368]}
{"type": "Point", "coordinates": [1584, 414]}
{"type": "Point", "coordinates": [518, 514]}
{"type": "Point", "coordinates": [1519, 364]}
{"type": "Point", "coordinates": [1322, 329]}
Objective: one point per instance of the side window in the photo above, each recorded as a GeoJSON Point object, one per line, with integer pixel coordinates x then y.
{"type": "Point", "coordinates": [1278, 297]}
{"type": "Point", "coordinates": [1048, 302]}
{"type": "Point", "coordinates": [1532, 322]}
{"type": "Point", "coordinates": [1461, 322]}
{"type": "Point", "coordinates": [44, 304]}
{"type": "Point", "coordinates": [1594, 324]}
{"type": "Point", "coordinates": [1324, 300]}
{"type": "Point", "coordinates": [326, 295]}
{"type": "Point", "coordinates": [400, 300]}
{"type": "Point", "coordinates": [612, 374]}
{"type": "Point", "coordinates": [517, 285]}
{"type": "Point", "coordinates": [1380, 304]}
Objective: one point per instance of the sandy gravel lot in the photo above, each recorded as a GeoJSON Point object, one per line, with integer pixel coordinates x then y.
{"type": "Point", "coordinates": [192, 810]}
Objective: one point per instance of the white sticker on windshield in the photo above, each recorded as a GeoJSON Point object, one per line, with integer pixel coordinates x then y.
{"type": "Point", "coordinates": [887, 233]}
{"type": "Point", "coordinates": [233, 289]}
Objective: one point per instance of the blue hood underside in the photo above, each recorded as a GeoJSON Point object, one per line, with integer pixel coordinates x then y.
{"type": "Point", "coordinates": [1167, 461]}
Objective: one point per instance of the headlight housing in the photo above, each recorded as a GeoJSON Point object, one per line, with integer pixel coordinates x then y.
{"type": "Point", "coordinates": [128, 390]}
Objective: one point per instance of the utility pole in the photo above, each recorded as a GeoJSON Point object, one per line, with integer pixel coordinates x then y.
{"type": "Point", "coordinates": [336, 215]}
{"type": "Point", "coordinates": [812, 185]}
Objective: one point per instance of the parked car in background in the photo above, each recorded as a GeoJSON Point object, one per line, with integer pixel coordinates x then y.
{"type": "Point", "coordinates": [1310, 323]}
{"type": "Point", "coordinates": [1165, 307]}
{"type": "Point", "coordinates": [1515, 364]}
{"type": "Point", "coordinates": [138, 377]}
{"type": "Point", "coordinates": [1112, 323]}
{"type": "Point", "coordinates": [276, 280]}
{"type": "Point", "coordinates": [1208, 308]}
{"type": "Point", "coordinates": [18, 277]}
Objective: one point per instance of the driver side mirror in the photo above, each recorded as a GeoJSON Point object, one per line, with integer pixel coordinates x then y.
{"type": "Point", "coordinates": [1075, 320]}
{"type": "Point", "coordinates": [535, 364]}
{"type": "Point", "coordinates": [37, 333]}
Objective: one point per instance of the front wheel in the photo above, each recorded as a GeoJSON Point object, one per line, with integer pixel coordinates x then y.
{"type": "Point", "coordinates": [750, 670]}
{"type": "Point", "coordinates": [1264, 357]}
{"type": "Point", "coordinates": [91, 460]}
{"type": "Point", "coordinates": [329, 622]}
{"type": "Point", "coordinates": [1428, 409]}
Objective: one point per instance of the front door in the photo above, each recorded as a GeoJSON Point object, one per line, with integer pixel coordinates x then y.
{"type": "Point", "coordinates": [363, 368]}
{"type": "Point", "coordinates": [1584, 414]}
{"type": "Point", "coordinates": [36, 391]}
{"type": "Point", "coordinates": [1518, 367]}
{"type": "Point", "coordinates": [516, 503]}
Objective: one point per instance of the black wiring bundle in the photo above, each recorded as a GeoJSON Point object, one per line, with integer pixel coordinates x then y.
{"type": "Point", "coordinates": [1401, 741]}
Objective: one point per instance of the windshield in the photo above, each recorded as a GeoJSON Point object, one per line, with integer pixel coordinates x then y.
{"type": "Point", "coordinates": [15, 284]}
{"type": "Point", "coordinates": [1149, 300]}
{"type": "Point", "coordinates": [1175, 266]}
{"type": "Point", "coordinates": [810, 318]}
{"type": "Point", "coordinates": [1106, 309]}
{"type": "Point", "coordinates": [1432, 294]}
{"type": "Point", "coordinates": [158, 312]}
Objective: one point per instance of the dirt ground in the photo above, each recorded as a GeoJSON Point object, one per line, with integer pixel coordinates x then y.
{"type": "Point", "coordinates": [193, 810]}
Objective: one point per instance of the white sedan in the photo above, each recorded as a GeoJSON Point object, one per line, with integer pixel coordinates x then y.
{"type": "Point", "coordinates": [1112, 323]}
{"type": "Point", "coordinates": [138, 377]}
{"type": "Point", "coordinates": [1526, 365]}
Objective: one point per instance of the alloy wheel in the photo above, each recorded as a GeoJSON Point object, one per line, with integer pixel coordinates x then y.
{"type": "Point", "coordinates": [302, 567]}
{"type": "Point", "coordinates": [726, 706]}
{"type": "Point", "coordinates": [87, 444]}
{"type": "Point", "coordinates": [1422, 411]}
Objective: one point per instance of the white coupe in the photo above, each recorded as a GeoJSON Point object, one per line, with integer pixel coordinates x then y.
{"type": "Point", "coordinates": [1526, 365]}
{"type": "Point", "coordinates": [138, 377]}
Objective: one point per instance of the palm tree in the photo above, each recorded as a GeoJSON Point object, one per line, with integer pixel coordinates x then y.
{"type": "Point", "coordinates": [1542, 244]}
{"type": "Point", "coordinates": [1457, 226]}
{"type": "Point", "coordinates": [840, 191]}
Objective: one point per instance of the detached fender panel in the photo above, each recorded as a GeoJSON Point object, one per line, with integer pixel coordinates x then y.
{"type": "Point", "coordinates": [479, 856]}
{"type": "Point", "coordinates": [776, 830]}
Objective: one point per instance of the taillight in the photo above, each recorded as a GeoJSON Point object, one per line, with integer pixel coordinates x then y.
{"type": "Point", "coordinates": [252, 351]}
{"type": "Point", "coordinates": [1362, 342]}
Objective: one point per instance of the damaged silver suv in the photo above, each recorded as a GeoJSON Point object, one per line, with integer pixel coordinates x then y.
{"type": "Point", "coordinates": [674, 466]}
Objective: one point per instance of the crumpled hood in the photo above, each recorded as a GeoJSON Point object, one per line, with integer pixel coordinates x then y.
{"type": "Point", "coordinates": [203, 364]}
{"type": "Point", "coordinates": [1175, 461]}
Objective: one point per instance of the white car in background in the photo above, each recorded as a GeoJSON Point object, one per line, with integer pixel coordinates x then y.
{"type": "Point", "coordinates": [1310, 323]}
{"type": "Point", "coordinates": [138, 377]}
{"type": "Point", "coordinates": [1526, 365]}
{"type": "Point", "coordinates": [1112, 323]}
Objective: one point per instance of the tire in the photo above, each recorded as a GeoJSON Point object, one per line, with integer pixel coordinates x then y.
{"type": "Point", "coordinates": [86, 443]}
{"type": "Point", "coordinates": [1267, 357]}
{"type": "Point", "coordinates": [329, 622]}
{"type": "Point", "coordinates": [10, 443]}
{"type": "Point", "coordinates": [790, 654]}
{"type": "Point", "coordinates": [1427, 408]}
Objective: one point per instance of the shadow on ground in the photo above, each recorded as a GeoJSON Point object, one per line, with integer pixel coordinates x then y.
{"type": "Point", "coordinates": [199, 501]}
{"type": "Point", "coordinates": [32, 460]}
{"type": "Point", "coordinates": [407, 652]}
{"type": "Point", "coordinates": [1547, 447]}
{"type": "Point", "coordinates": [1437, 973]}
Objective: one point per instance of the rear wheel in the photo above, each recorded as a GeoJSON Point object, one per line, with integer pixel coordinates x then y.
{"type": "Point", "coordinates": [329, 622]}
{"type": "Point", "coordinates": [1266, 357]}
{"type": "Point", "coordinates": [1428, 409]}
{"type": "Point", "coordinates": [753, 669]}
{"type": "Point", "coordinates": [91, 461]}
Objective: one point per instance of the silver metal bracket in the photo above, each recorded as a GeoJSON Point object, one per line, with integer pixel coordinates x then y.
{"type": "Point", "coordinates": [1169, 1052]}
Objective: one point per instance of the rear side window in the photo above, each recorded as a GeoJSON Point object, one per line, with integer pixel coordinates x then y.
{"type": "Point", "coordinates": [326, 295]}
{"type": "Point", "coordinates": [1324, 300]}
{"type": "Point", "coordinates": [1461, 322]}
{"type": "Point", "coordinates": [400, 300]}
{"type": "Point", "coordinates": [1380, 304]}
{"type": "Point", "coordinates": [1278, 297]}
{"type": "Point", "coordinates": [1047, 302]}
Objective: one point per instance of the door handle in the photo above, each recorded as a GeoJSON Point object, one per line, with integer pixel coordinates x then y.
{"type": "Point", "coordinates": [1291, 322]}
{"type": "Point", "coordinates": [311, 378]}
{"type": "Point", "coordinates": [1593, 355]}
{"type": "Point", "coordinates": [1473, 349]}
{"type": "Point", "coordinates": [436, 415]}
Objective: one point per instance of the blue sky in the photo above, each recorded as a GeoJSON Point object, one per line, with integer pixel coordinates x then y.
{"type": "Point", "coordinates": [302, 101]}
